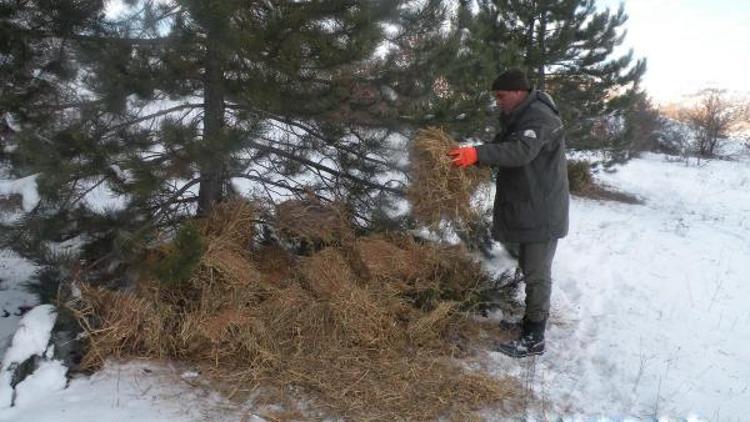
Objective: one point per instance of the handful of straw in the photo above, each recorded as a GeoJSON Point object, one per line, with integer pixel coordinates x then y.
{"type": "Point", "coordinates": [439, 191]}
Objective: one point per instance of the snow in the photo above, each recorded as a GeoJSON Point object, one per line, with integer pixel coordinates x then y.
{"type": "Point", "coordinates": [389, 93]}
{"type": "Point", "coordinates": [123, 392]}
{"type": "Point", "coordinates": [14, 271]}
{"type": "Point", "coordinates": [649, 315]}
{"type": "Point", "coordinates": [32, 335]}
{"type": "Point", "coordinates": [101, 199]}
{"type": "Point", "coordinates": [47, 379]}
{"type": "Point", "coordinates": [31, 338]}
{"type": "Point", "coordinates": [26, 187]}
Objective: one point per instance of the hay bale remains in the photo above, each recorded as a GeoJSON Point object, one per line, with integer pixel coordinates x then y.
{"type": "Point", "coordinates": [431, 326]}
{"type": "Point", "coordinates": [274, 263]}
{"type": "Point", "coordinates": [354, 337]}
{"type": "Point", "coordinates": [309, 220]}
{"type": "Point", "coordinates": [383, 260]}
{"type": "Point", "coordinates": [438, 191]}
{"type": "Point", "coordinates": [122, 324]}
{"type": "Point", "coordinates": [231, 222]}
{"type": "Point", "coordinates": [436, 273]}
{"type": "Point", "coordinates": [327, 272]}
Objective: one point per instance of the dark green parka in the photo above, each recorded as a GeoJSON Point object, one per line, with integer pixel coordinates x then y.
{"type": "Point", "coordinates": [531, 201]}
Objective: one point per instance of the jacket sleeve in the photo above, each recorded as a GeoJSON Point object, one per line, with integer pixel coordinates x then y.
{"type": "Point", "coordinates": [520, 147]}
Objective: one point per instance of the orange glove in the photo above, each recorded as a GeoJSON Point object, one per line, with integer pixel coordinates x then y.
{"type": "Point", "coordinates": [463, 157]}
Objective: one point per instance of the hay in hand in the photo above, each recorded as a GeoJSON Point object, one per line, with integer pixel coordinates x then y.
{"type": "Point", "coordinates": [365, 330]}
{"type": "Point", "coordinates": [439, 191]}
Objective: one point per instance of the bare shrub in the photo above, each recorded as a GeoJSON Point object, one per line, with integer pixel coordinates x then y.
{"type": "Point", "coordinates": [712, 119]}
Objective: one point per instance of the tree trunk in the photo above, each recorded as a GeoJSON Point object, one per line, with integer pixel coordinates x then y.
{"type": "Point", "coordinates": [213, 168]}
{"type": "Point", "coordinates": [530, 45]}
{"type": "Point", "coordinates": [541, 38]}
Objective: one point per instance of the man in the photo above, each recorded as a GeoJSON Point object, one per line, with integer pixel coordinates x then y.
{"type": "Point", "coordinates": [531, 201]}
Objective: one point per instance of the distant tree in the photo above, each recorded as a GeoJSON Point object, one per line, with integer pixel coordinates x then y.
{"type": "Point", "coordinates": [712, 120]}
{"type": "Point", "coordinates": [642, 125]}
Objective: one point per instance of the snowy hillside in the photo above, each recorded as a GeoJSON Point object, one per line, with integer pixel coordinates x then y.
{"type": "Point", "coordinates": [649, 318]}
{"type": "Point", "coordinates": [650, 312]}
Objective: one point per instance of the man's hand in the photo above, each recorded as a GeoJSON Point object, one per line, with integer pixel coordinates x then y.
{"type": "Point", "coordinates": [464, 156]}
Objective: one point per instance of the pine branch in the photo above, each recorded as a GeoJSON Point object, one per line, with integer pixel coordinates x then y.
{"type": "Point", "coordinates": [162, 208]}
{"type": "Point", "coordinates": [42, 34]}
{"type": "Point", "coordinates": [86, 192]}
{"type": "Point", "coordinates": [324, 168]}
{"type": "Point", "coordinates": [312, 131]}
{"type": "Point", "coordinates": [263, 180]}
{"type": "Point", "coordinates": [153, 116]}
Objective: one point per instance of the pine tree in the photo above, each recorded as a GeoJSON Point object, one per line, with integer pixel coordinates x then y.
{"type": "Point", "coordinates": [461, 57]}
{"type": "Point", "coordinates": [35, 46]}
{"type": "Point", "coordinates": [177, 101]}
{"type": "Point", "coordinates": [567, 50]}
{"type": "Point", "coordinates": [467, 59]}
{"type": "Point", "coordinates": [37, 67]}
{"type": "Point", "coordinates": [39, 86]}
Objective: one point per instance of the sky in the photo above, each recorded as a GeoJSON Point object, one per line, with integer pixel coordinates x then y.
{"type": "Point", "coordinates": [113, 7]}
{"type": "Point", "coordinates": [689, 44]}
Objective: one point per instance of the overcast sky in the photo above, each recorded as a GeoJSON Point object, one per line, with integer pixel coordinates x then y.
{"type": "Point", "coordinates": [689, 44]}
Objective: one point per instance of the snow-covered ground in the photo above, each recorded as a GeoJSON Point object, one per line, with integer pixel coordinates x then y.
{"type": "Point", "coordinates": [650, 303]}
{"type": "Point", "coordinates": [650, 314]}
{"type": "Point", "coordinates": [14, 299]}
{"type": "Point", "coordinates": [135, 392]}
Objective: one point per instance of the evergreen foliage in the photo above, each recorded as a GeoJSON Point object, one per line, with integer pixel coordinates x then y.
{"type": "Point", "coordinates": [170, 105]}
{"type": "Point", "coordinates": [171, 102]}
{"type": "Point", "coordinates": [566, 46]}
{"type": "Point", "coordinates": [183, 255]}
{"type": "Point", "coordinates": [642, 128]}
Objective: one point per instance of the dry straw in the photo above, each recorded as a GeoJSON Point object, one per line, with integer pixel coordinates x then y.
{"type": "Point", "coordinates": [439, 191]}
{"type": "Point", "coordinates": [312, 221]}
{"type": "Point", "coordinates": [369, 332]}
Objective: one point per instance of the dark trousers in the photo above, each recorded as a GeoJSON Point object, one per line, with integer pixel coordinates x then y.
{"type": "Point", "coordinates": [535, 260]}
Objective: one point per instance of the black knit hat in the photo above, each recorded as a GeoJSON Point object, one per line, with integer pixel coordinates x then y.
{"type": "Point", "coordinates": [513, 79]}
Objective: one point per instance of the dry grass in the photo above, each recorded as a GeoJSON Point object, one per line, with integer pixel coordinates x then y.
{"type": "Point", "coordinates": [364, 333]}
{"type": "Point", "coordinates": [312, 221]}
{"type": "Point", "coordinates": [606, 193]}
{"type": "Point", "coordinates": [438, 191]}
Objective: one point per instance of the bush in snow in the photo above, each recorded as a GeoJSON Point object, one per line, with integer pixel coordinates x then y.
{"type": "Point", "coordinates": [579, 176]}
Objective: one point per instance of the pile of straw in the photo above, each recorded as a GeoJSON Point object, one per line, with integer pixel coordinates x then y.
{"type": "Point", "coordinates": [311, 221]}
{"type": "Point", "coordinates": [439, 191]}
{"type": "Point", "coordinates": [366, 331]}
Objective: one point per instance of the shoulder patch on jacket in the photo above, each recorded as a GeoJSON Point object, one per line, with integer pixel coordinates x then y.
{"type": "Point", "coordinates": [529, 133]}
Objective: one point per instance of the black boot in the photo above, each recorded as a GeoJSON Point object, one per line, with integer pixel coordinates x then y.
{"type": "Point", "coordinates": [531, 342]}
{"type": "Point", "coordinates": [513, 327]}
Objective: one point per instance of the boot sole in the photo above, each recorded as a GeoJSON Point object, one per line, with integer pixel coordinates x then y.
{"type": "Point", "coordinates": [527, 355]}
{"type": "Point", "coordinates": [518, 355]}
